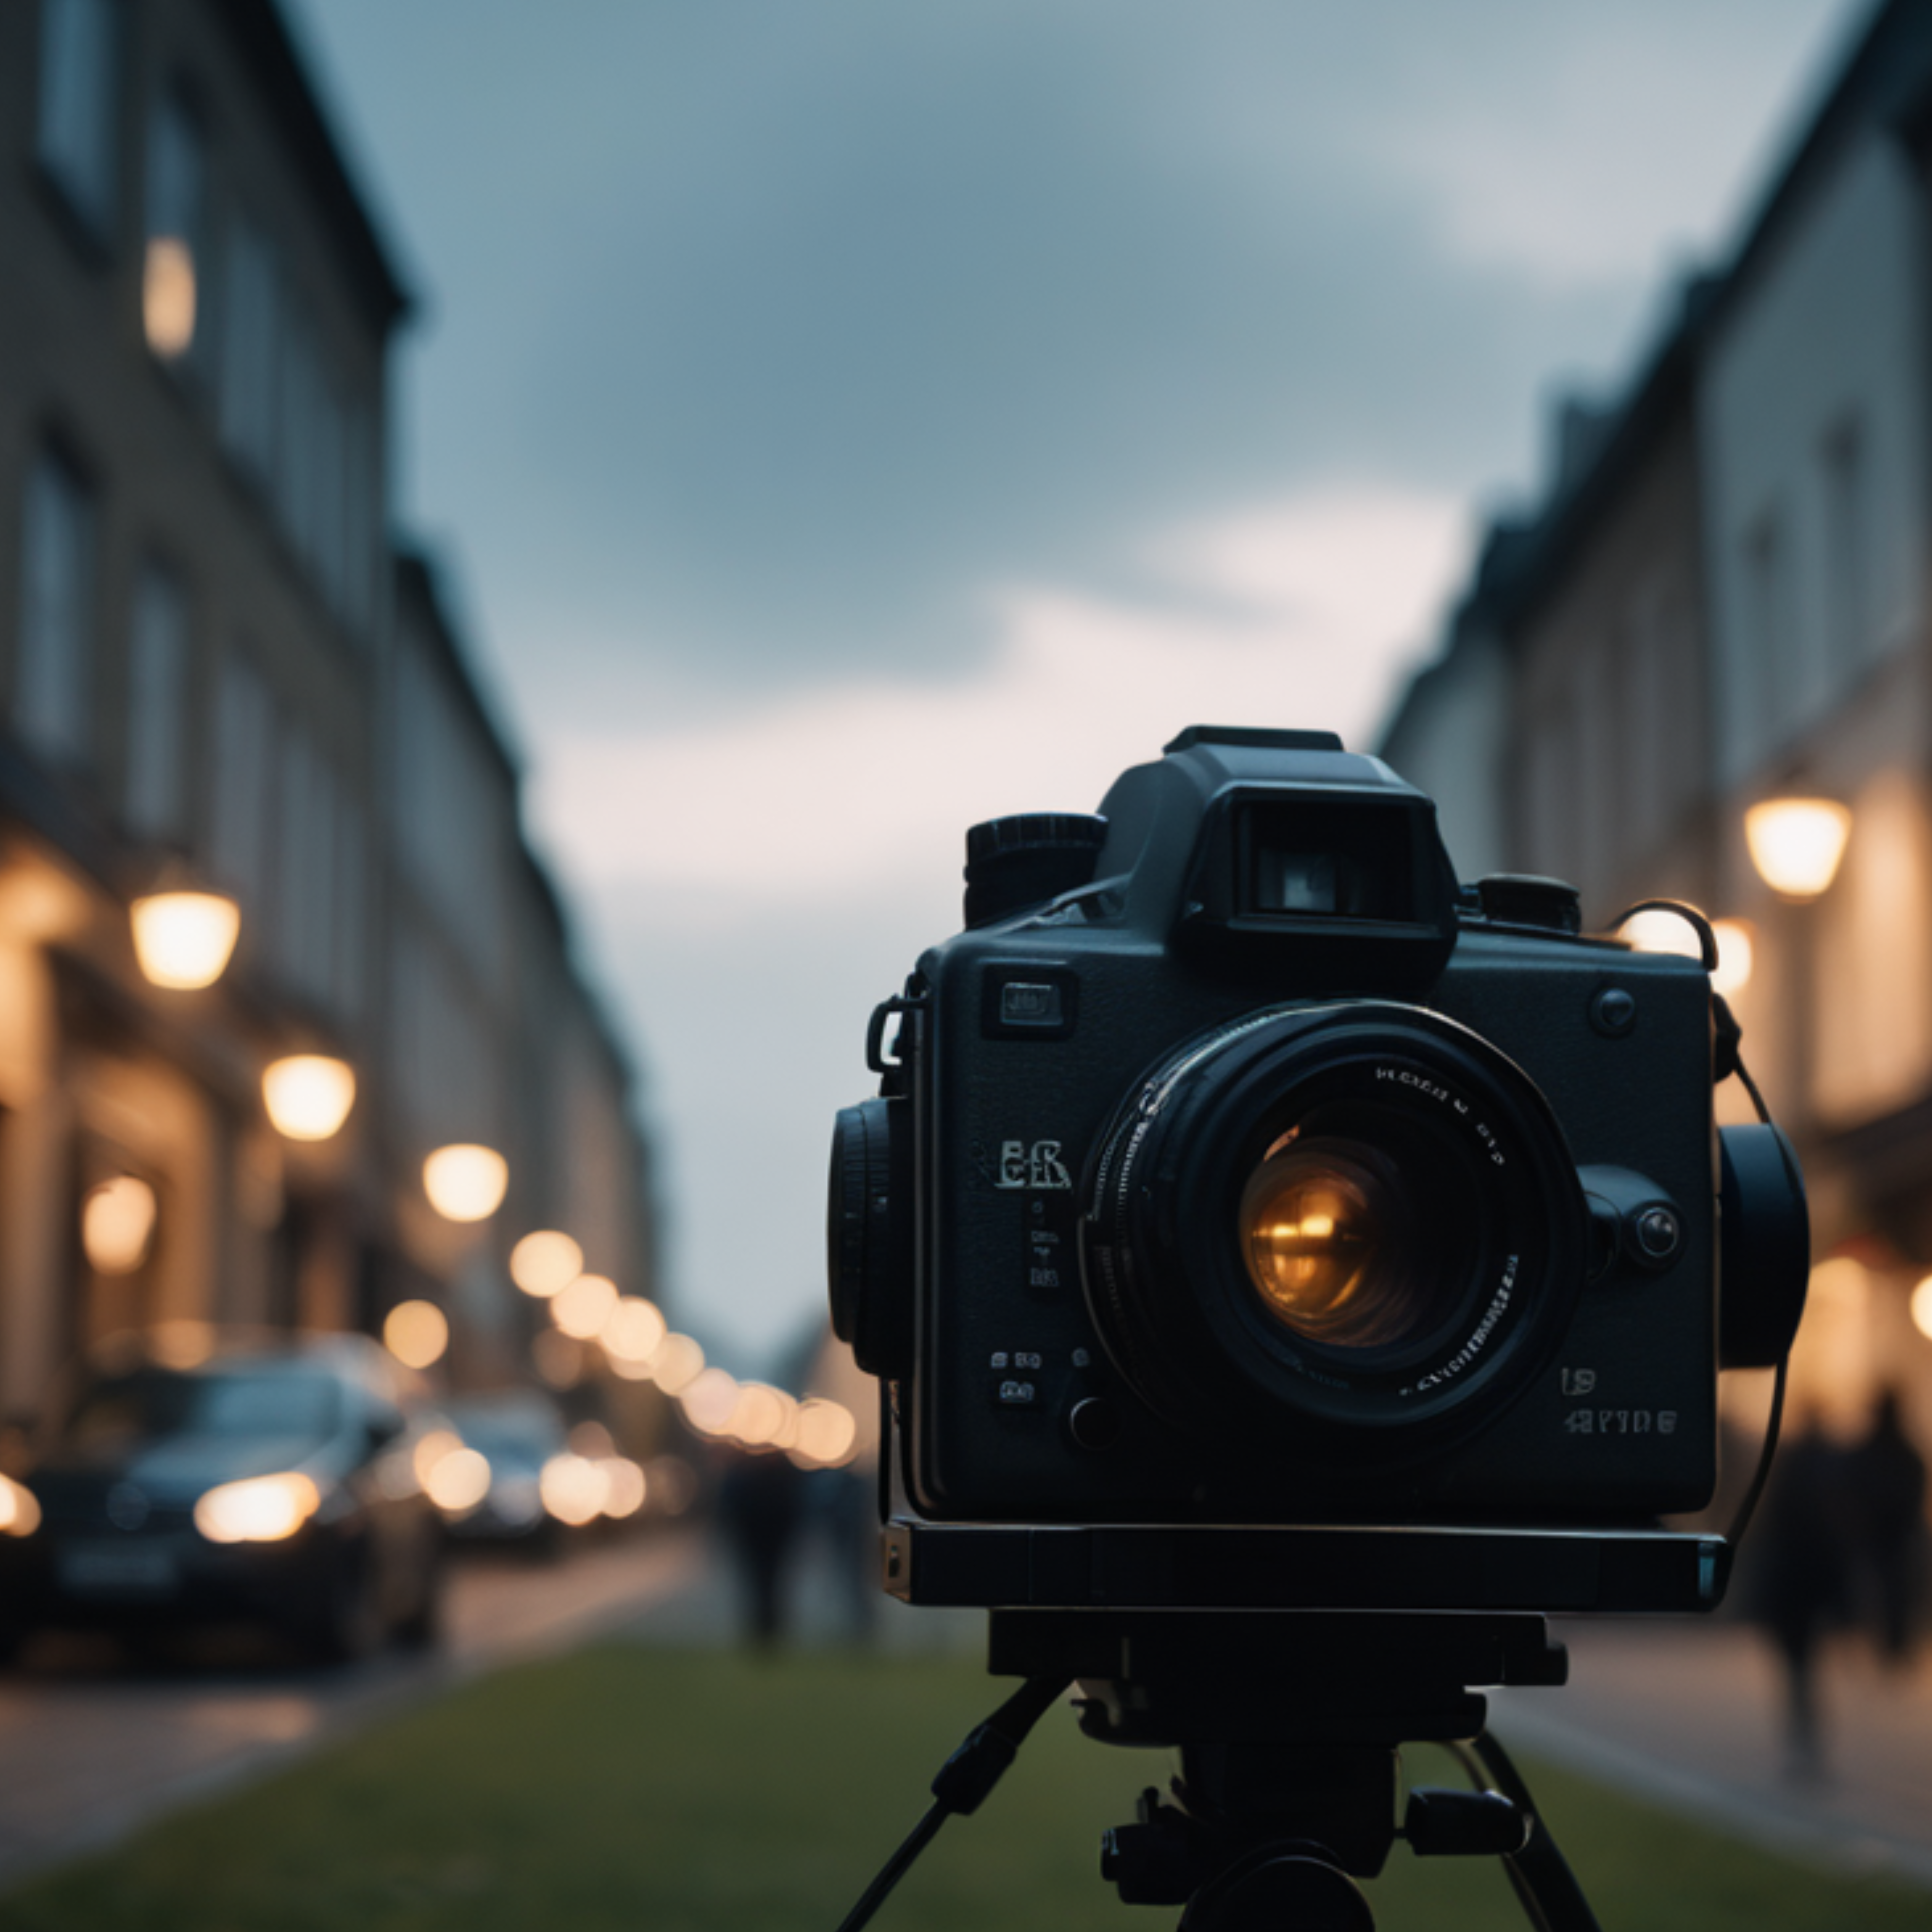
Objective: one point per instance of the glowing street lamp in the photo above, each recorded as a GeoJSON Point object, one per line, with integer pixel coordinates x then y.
{"type": "Point", "coordinates": [416, 1333]}
{"type": "Point", "coordinates": [308, 1095]}
{"type": "Point", "coordinates": [1796, 843]}
{"type": "Point", "coordinates": [465, 1182]}
{"type": "Point", "coordinates": [545, 1262]}
{"type": "Point", "coordinates": [117, 1222]}
{"type": "Point", "coordinates": [184, 940]}
{"type": "Point", "coordinates": [1734, 955]}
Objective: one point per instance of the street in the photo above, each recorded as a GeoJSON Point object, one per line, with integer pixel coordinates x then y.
{"type": "Point", "coordinates": [94, 1742]}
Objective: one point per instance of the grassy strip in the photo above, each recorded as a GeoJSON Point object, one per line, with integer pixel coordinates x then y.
{"type": "Point", "coordinates": [685, 1791]}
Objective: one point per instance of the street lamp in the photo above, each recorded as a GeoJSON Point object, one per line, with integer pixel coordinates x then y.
{"type": "Point", "coordinates": [308, 1095]}
{"type": "Point", "coordinates": [184, 939]}
{"type": "Point", "coordinates": [1733, 970]}
{"type": "Point", "coordinates": [545, 1262]}
{"type": "Point", "coordinates": [465, 1182]}
{"type": "Point", "coordinates": [1796, 843]}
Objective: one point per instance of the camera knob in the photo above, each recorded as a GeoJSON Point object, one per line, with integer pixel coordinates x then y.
{"type": "Point", "coordinates": [1027, 859]}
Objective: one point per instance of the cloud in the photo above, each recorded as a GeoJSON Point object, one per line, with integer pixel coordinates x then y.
{"type": "Point", "coordinates": [1293, 613]}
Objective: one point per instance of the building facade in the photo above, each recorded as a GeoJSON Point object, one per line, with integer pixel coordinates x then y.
{"type": "Point", "coordinates": [216, 674]}
{"type": "Point", "coordinates": [1727, 606]}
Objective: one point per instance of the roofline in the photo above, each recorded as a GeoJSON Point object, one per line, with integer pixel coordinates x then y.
{"type": "Point", "coordinates": [419, 582]}
{"type": "Point", "coordinates": [1882, 80]}
{"type": "Point", "coordinates": [261, 33]}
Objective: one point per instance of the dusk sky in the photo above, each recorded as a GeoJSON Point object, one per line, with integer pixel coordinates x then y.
{"type": "Point", "coordinates": [844, 422]}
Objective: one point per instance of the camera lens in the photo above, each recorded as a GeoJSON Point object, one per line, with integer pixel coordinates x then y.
{"type": "Point", "coordinates": [1329, 1244]}
{"type": "Point", "coordinates": [1354, 1223]}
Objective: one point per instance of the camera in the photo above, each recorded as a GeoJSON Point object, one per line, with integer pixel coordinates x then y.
{"type": "Point", "coordinates": [1236, 1166]}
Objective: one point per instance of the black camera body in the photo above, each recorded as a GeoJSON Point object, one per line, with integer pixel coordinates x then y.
{"type": "Point", "coordinates": [1236, 1166]}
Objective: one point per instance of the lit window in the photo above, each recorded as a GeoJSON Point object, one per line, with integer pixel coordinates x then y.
{"type": "Point", "coordinates": [171, 279]}
{"type": "Point", "coordinates": [55, 673]}
{"type": "Point", "coordinates": [79, 55]}
{"type": "Point", "coordinates": [157, 705]}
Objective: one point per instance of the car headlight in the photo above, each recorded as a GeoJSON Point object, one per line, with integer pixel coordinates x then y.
{"type": "Point", "coordinates": [260, 1509]}
{"type": "Point", "coordinates": [20, 1510]}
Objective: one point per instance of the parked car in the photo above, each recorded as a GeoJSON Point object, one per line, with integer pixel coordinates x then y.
{"type": "Point", "coordinates": [270, 1480]}
{"type": "Point", "coordinates": [517, 1433]}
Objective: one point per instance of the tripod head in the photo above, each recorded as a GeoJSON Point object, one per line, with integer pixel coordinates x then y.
{"type": "Point", "coordinates": [1288, 1728]}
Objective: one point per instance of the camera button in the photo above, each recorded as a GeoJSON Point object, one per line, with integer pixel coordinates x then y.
{"type": "Point", "coordinates": [1094, 1424]}
{"type": "Point", "coordinates": [1658, 1233]}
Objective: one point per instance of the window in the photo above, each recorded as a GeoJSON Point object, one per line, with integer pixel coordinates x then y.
{"type": "Point", "coordinates": [54, 678]}
{"type": "Point", "coordinates": [158, 705]}
{"type": "Point", "coordinates": [244, 731]}
{"type": "Point", "coordinates": [351, 927]}
{"type": "Point", "coordinates": [1771, 670]}
{"type": "Point", "coordinates": [1847, 522]}
{"type": "Point", "coordinates": [79, 55]}
{"type": "Point", "coordinates": [250, 307]}
{"type": "Point", "coordinates": [172, 278]}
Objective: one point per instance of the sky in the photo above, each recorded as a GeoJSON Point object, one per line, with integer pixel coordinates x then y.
{"type": "Point", "coordinates": [843, 422]}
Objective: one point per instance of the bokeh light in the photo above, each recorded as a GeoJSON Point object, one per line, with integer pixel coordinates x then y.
{"type": "Point", "coordinates": [625, 1485]}
{"type": "Point", "coordinates": [1796, 843]}
{"type": "Point", "coordinates": [1921, 1308]}
{"type": "Point", "coordinates": [1735, 954]}
{"type": "Point", "coordinates": [581, 1309]}
{"type": "Point", "coordinates": [543, 1262]}
{"type": "Point", "coordinates": [827, 1433]}
{"type": "Point", "coordinates": [574, 1488]}
{"type": "Point", "coordinates": [184, 939]}
{"type": "Point", "coordinates": [633, 1330]}
{"type": "Point", "coordinates": [259, 1509]}
{"type": "Point", "coordinates": [759, 1415]}
{"type": "Point", "coordinates": [709, 1400]}
{"type": "Point", "coordinates": [1654, 930]}
{"type": "Point", "coordinates": [678, 1363]}
{"type": "Point", "coordinates": [168, 296]}
{"type": "Point", "coordinates": [458, 1482]}
{"type": "Point", "coordinates": [465, 1182]}
{"type": "Point", "coordinates": [20, 1509]}
{"type": "Point", "coordinates": [117, 1222]}
{"type": "Point", "coordinates": [308, 1095]}
{"type": "Point", "coordinates": [416, 1333]}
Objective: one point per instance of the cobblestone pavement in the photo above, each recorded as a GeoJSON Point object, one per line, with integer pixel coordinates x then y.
{"type": "Point", "coordinates": [94, 1742]}
{"type": "Point", "coordinates": [1688, 1714]}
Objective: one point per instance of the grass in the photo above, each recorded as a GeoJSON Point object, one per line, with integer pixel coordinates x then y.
{"type": "Point", "coordinates": [703, 1791]}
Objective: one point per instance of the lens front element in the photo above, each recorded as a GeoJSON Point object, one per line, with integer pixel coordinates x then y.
{"type": "Point", "coordinates": [1325, 1238]}
{"type": "Point", "coordinates": [1349, 1232]}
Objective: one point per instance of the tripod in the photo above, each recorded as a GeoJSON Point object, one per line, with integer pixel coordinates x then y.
{"type": "Point", "coordinates": [1288, 1726]}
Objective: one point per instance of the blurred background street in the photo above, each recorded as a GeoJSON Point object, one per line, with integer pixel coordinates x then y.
{"type": "Point", "coordinates": [527, 535]}
{"type": "Point", "coordinates": [94, 1741]}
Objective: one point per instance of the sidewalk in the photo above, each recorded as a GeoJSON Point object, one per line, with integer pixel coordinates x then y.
{"type": "Point", "coordinates": [1689, 1714]}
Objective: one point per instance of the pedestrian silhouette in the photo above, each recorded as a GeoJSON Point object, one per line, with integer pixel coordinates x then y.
{"type": "Point", "coordinates": [760, 1509]}
{"type": "Point", "coordinates": [1800, 1588]}
{"type": "Point", "coordinates": [1886, 1485]}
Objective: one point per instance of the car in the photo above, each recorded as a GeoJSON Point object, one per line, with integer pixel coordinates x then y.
{"type": "Point", "coordinates": [221, 1478]}
{"type": "Point", "coordinates": [518, 1432]}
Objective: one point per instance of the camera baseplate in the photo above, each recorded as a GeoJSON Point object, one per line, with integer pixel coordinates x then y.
{"type": "Point", "coordinates": [1131, 1567]}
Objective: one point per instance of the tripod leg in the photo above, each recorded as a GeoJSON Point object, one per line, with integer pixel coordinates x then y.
{"type": "Point", "coordinates": [1540, 1875]}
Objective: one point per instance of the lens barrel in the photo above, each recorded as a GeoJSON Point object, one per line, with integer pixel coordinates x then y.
{"type": "Point", "coordinates": [1352, 1230]}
